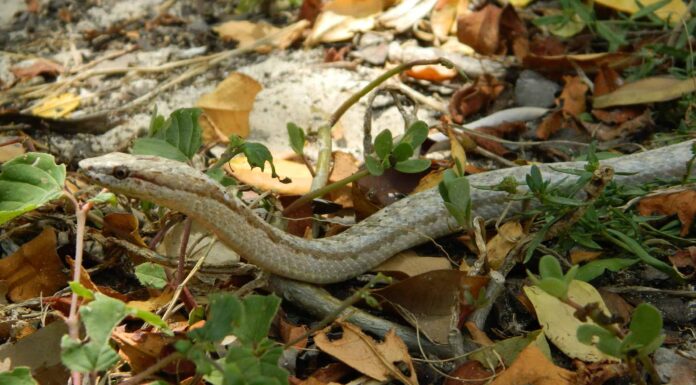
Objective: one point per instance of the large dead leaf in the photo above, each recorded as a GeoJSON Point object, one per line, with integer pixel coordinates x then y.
{"type": "Point", "coordinates": [28, 70]}
{"type": "Point", "coordinates": [559, 323]}
{"type": "Point", "coordinates": [673, 11]}
{"type": "Point", "coordinates": [532, 367]}
{"type": "Point", "coordinates": [408, 264]}
{"type": "Point", "coordinates": [443, 18]}
{"type": "Point", "coordinates": [141, 349]}
{"type": "Point", "coordinates": [481, 29]}
{"type": "Point", "coordinates": [590, 63]}
{"type": "Point", "coordinates": [228, 107]}
{"type": "Point", "coordinates": [473, 97]}
{"type": "Point", "coordinates": [682, 203]}
{"type": "Point", "coordinates": [648, 90]}
{"type": "Point", "coordinates": [35, 269]}
{"type": "Point", "coordinates": [364, 354]}
{"type": "Point", "coordinates": [247, 33]}
{"type": "Point", "coordinates": [508, 349]}
{"type": "Point", "coordinates": [432, 300]}
{"type": "Point", "coordinates": [301, 178]}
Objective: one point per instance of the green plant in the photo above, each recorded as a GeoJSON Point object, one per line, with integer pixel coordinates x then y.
{"type": "Point", "coordinates": [551, 278]}
{"type": "Point", "coordinates": [388, 154]}
{"type": "Point", "coordinates": [252, 358]}
{"type": "Point", "coordinates": [456, 195]}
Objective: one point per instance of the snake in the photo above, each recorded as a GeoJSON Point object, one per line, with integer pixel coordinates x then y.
{"type": "Point", "coordinates": [413, 220]}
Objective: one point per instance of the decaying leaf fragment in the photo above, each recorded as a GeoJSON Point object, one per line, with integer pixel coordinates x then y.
{"type": "Point", "coordinates": [380, 361]}
{"type": "Point", "coordinates": [532, 367]}
{"type": "Point", "coordinates": [682, 204]}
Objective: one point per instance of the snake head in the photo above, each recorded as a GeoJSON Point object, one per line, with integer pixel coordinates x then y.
{"type": "Point", "coordinates": [142, 175]}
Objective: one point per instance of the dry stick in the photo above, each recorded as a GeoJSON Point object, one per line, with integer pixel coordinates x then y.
{"type": "Point", "coordinates": [185, 235]}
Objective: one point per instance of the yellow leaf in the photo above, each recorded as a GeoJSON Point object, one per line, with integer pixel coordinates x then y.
{"type": "Point", "coordinates": [648, 90]}
{"type": "Point", "coordinates": [301, 178]}
{"type": "Point", "coordinates": [500, 245]}
{"type": "Point", "coordinates": [58, 106]}
{"type": "Point", "coordinates": [673, 12]}
{"type": "Point", "coordinates": [229, 106]}
{"type": "Point", "coordinates": [560, 325]}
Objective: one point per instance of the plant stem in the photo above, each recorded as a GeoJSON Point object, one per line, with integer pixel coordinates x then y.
{"type": "Point", "coordinates": [323, 191]}
{"type": "Point", "coordinates": [381, 79]}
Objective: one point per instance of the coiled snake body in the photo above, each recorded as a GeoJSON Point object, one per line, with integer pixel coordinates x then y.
{"type": "Point", "coordinates": [406, 223]}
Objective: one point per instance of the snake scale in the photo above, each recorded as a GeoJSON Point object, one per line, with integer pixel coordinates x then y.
{"type": "Point", "coordinates": [413, 220]}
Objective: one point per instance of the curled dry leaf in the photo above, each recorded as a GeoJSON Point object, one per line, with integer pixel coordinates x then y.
{"type": "Point", "coordinates": [589, 63]}
{"type": "Point", "coordinates": [341, 19]}
{"type": "Point", "coordinates": [682, 204]}
{"type": "Point", "coordinates": [361, 352]}
{"type": "Point", "coordinates": [35, 68]}
{"type": "Point", "coordinates": [500, 245]}
{"type": "Point", "coordinates": [685, 258]}
{"type": "Point", "coordinates": [142, 349]}
{"type": "Point", "coordinates": [443, 18]}
{"type": "Point", "coordinates": [481, 29]}
{"type": "Point", "coordinates": [470, 373]}
{"type": "Point", "coordinates": [473, 97]}
{"type": "Point", "coordinates": [642, 123]}
{"type": "Point", "coordinates": [35, 269]}
{"type": "Point", "coordinates": [227, 108]}
{"type": "Point", "coordinates": [297, 172]}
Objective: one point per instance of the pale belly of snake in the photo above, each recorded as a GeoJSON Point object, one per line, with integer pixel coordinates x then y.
{"type": "Point", "coordinates": [406, 223]}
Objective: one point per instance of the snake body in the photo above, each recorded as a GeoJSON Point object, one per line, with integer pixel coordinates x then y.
{"type": "Point", "coordinates": [413, 220]}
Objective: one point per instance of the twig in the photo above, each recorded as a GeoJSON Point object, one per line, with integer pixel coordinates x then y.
{"type": "Point", "coordinates": [138, 378]}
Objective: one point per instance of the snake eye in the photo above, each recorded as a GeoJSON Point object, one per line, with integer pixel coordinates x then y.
{"type": "Point", "coordinates": [120, 172]}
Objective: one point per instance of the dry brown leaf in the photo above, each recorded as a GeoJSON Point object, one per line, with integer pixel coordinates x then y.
{"type": "Point", "coordinates": [227, 108]}
{"type": "Point", "coordinates": [142, 349]}
{"type": "Point", "coordinates": [503, 130]}
{"type": "Point", "coordinates": [589, 63]}
{"type": "Point", "coordinates": [573, 96]}
{"type": "Point", "coordinates": [478, 335]}
{"type": "Point", "coordinates": [408, 264]}
{"type": "Point", "coordinates": [433, 72]}
{"type": "Point", "coordinates": [682, 204]}
{"type": "Point", "coordinates": [290, 332]}
{"type": "Point", "coordinates": [469, 373]}
{"type": "Point", "coordinates": [618, 115]}
{"type": "Point", "coordinates": [247, 32]}
{"type": "Point", "coordinates": [443, 18]}
{"type": "Point", "coordinates": [607, 80]}
{"type": "Point", "coordinates": [533, 368]}
{"type": "Point", "coordinates": [640, 124]}
{"type": "Point", "coordinates": [36, 68]}
{"type": "Point", "coordinates": [648, 90]}
{"type": "Point", "coordinates": [364, 354]}
{"type": "Point", "coordinates": [329, 374]}
{"type": "Point", "coordinates": [473, 97]}
{"type": "Point", "coordinates": [35, 269]}
{"type": "Point", "coordinates": [550, 125]}
{"type": "Point", "coordinates": [10, 151]}
{"type": "Point", "coordinates": [457, 150]}
{"type": "Point", "coordinates": [86, 281]}
{"type": "Point", "coordinates": [684, 258]}
{"type": "Point", "coordinates": [153, 303]}
{"type": "Point", "coordinates": [481, 29]}
{"type": "Point", "coordinates": [123, 226]}
{"type": "Point", "coordinates": [581, 255]}
{"type": "Point", "coordinates": [500, 245]}
{"type": "Point", "coordinates": [431, 300]}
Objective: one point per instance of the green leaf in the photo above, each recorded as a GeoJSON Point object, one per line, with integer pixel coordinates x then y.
{"type": "Point", "coordinates": [402, 151]}
{"type": "Point", "coordinates": [554, 286]}
{"type": "Point", "coordinates": [104, 197]}
{"type": "Point", "coordinates": [80, 290]}
{"type": "Point", "coordinates": [179, 138]}
{"type": "Point", "coordinates": [88, 357]}
{"type": "Point", "coordinates": [534, 180]}
{"type": "Point", "coordinates": [412, 166]}
{"type": "Point", "coordinates": [151, 275]}
{"type": "Point", "coordinates": [549, 267]}
{"type": "Point", "coordinates": [645, 327]}
{"type": "Point", "coordinates": [383, 144]}
{"type": "Point", "coordinates": [158, 147]}
{"type": "Point", "coordinates": [257, 154]}
{"type": "Point", "coordinates": [416, 134]}
{"type": "Point", "coordinates": [28, 182]}
{"type": "Point", "coordinates": [374, 166]}
{"type": "Point", "coordinates": [149, 317]}
{"type": "Point", "coordinates": [258, 313]}
{"type": "Point", "coordinates": [594, 269]}
{"type": "Point", "coordinates": [584, 239]}
{"type": "Point", "coordinates": [100, 317]}
{"type": "Point", "coordinates": [606, 343]}
{"type": "Point", "coordinates": [563, 201]}
{"type": "Point", "coordinates": [226, 311]}
{"type": "Point", "coordinates": [456, 193]}
{"type": "Point", "coordinates": [156, 122]}
{"type": "Point", "coordinates": [297, 138]}
{"type": "Point", "coordinates": [612, 35]}
{"type": "Point", "coordinates": [649, 9]}
{"type": "Point", "coordinates": [633, 246]}
{"type": "Point", "coordinates": [20, 375]}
